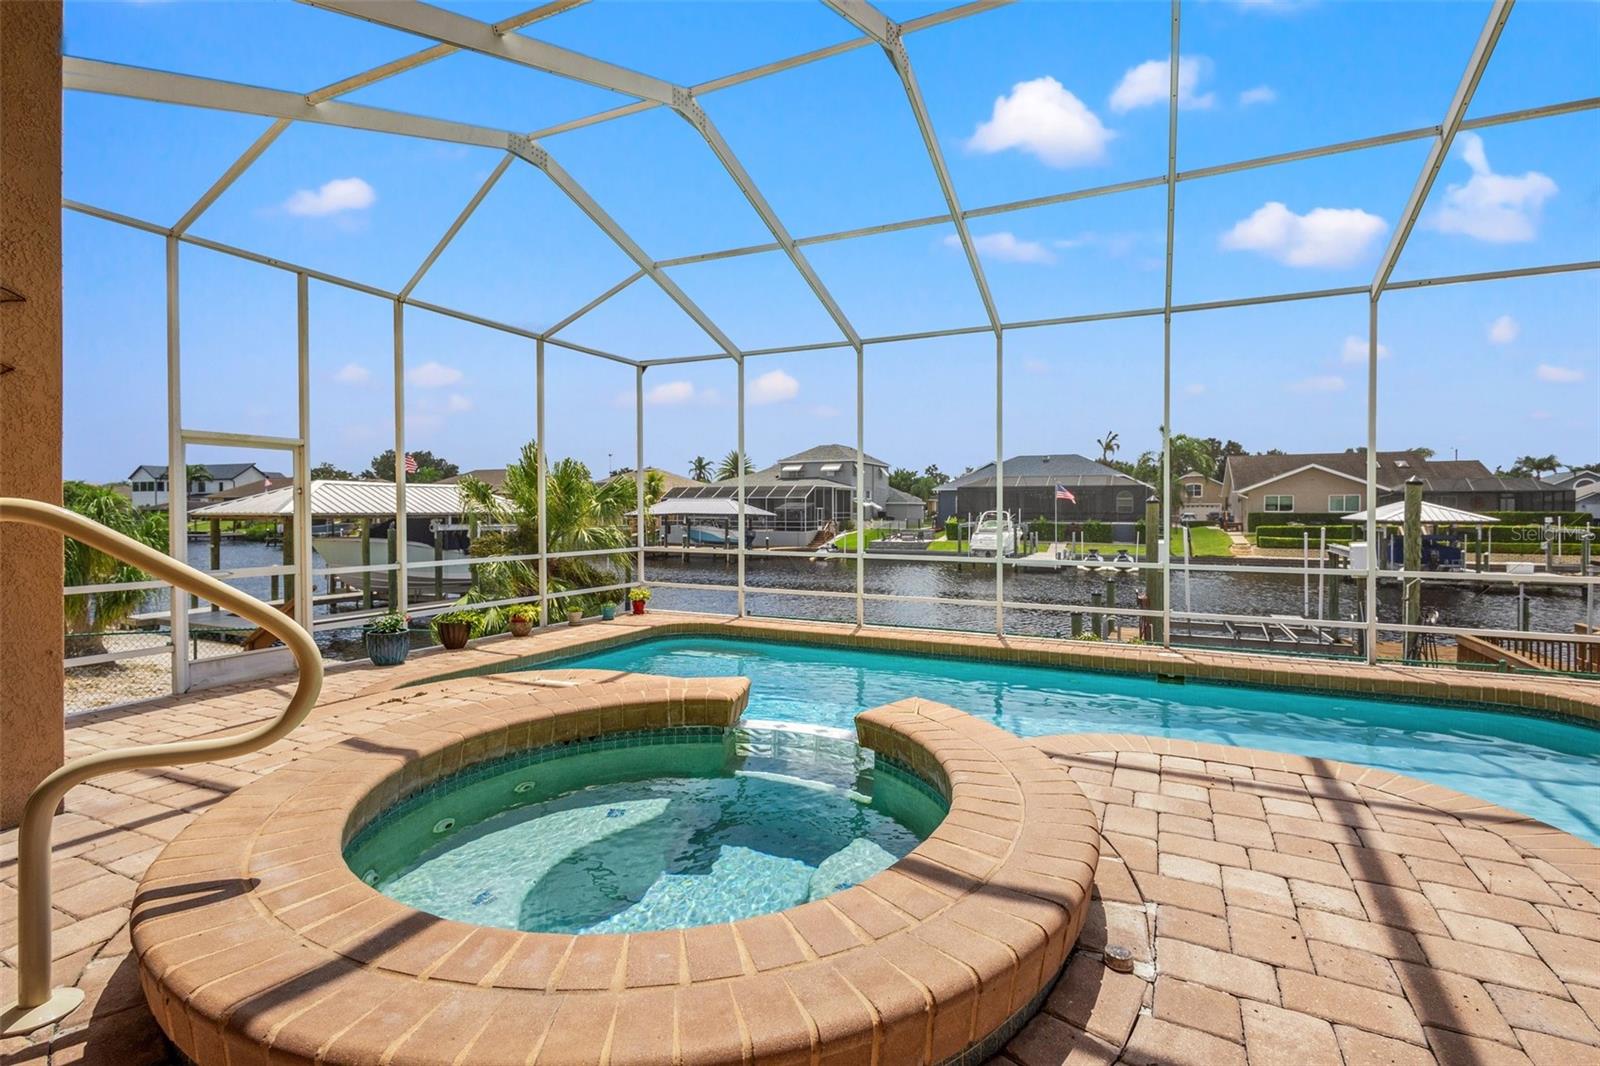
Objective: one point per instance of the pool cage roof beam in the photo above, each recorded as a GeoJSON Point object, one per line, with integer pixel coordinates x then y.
{"type": "Point", "coordinates": [349, 85]}
{"type": "Point", "coordinates": [115, 79]}
{"type": "Point", "coordinates": [888, 34]}
{"type": "Point", "coordinates": [448, 27]}
{"type": "Point", "coordinates": [1156, 312]}
{"type": "Point", "coordinates": [94, 76]}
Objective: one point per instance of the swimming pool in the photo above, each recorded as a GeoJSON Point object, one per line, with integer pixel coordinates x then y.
{"type": "Point", "coordinates": [648, 831]}
{"type": "Point", "coordinates": [1543, 767]}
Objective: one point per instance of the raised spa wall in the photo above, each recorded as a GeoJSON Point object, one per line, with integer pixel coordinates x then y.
{"type": "Point", "coordinates": [253, 934]}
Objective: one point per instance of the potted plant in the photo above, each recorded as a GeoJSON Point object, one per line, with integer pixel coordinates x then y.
{"type": "Point", "coordinates": [574, 615]}
{"type": "Point", "coordinates": [388, 639]}
{"type": "Point", "coordinates": [453, 628]}
{"type": "Point", "coordinates": [608, 610]}
{"type": "Point", "coordinates": [521, 619]}
{"type": "Point", "coordinates": [638, 597]}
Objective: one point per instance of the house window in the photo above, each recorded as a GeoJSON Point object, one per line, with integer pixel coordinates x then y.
{"type": "Point", "coordinates": [1193, 490]}
{"type": "Point", "coordinates": [1344, 504]}
{"type": "Point", "coordinates": [1124, 502]}
{"type": "Point", "coordinates": [1279, 503]}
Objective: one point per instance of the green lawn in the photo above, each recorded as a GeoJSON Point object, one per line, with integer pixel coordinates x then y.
{"type": "Point", "coordinates": [847, 542]}
{"type": "Point", "coordinates": [1203, 540]}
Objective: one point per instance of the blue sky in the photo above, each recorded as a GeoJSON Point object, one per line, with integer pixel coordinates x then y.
{"type": "Point", "coordinates": [1028, 100]}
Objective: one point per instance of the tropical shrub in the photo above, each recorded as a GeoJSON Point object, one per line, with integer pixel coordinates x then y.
{"type": "Point", "coordinates": [91, 614]}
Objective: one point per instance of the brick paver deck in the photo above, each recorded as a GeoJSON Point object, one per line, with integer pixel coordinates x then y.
{"type": "Point", "coordinates": [112, 829]}
{"type": "Point", "coordinates": [1308, 912]}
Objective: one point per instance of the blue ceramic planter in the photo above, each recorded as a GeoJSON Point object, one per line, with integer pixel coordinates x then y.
{"type": "Point", "coordinates": [388, 649]}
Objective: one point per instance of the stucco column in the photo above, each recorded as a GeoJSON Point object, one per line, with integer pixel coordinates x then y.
{"type": "Point", "coordinates": [31, 642]}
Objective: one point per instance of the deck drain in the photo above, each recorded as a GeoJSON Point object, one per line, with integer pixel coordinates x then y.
{"type": "Point", "coordinates": [444, 825]}
{"type": "Point", "coordinates": [1119, 959]}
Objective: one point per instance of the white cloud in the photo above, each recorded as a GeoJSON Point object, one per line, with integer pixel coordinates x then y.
{"type": "Point", "coordinates": [332, 197]}
{"type": "Point", "coordinates": [1558, 375]}
{"type": "Point", "coordinates": [432, 375]}
{"type": "Point", "coordinates": [1320, 383]}
{"type": "Point", "coordinates": [774, 386]}
{"type": "Point", "coordinates": [352, 374]}
{"type": "Point", "coordinates": [1504, 330]}
{"type": "Point", "coordinates": [669, 392]}
{"type": "Point", "coordinates": [1151, 82]}
{"type": "Point", "coordinates": [1355, 350]}
{"type": "Point", "coordinates": [1322, 237]}
{"type": "Point", "coordinates": [1006, 247]}
{"type": "Point", "coordinates": [1195, 389]}
{"type": "Point", "coordinates": [1261, 94]}
{"type": "Point", "coordinates": [1043, 118]}
{"type": "Point", "coordinates": [1492, 207]}
{"type": "Point", "coordinates": [458, 404]}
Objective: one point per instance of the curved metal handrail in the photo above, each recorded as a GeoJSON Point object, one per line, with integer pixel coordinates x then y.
{"type": "Point", "coordinates": [36, 1004]}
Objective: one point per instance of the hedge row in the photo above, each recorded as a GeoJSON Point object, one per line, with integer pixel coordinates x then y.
{"type": "Point", "coordinates": [1292, 542]}
{"type": "Point", "coordinates": [1298, 518]}
{"type": "Point", "coordinates": [1091, 530]}
{"type": "Point", "coordinates": [1257, 519]}
{"type": "Point", "coordinates": [1336, 534]}
{"type": "Point", "coordinates": [1534, 518]}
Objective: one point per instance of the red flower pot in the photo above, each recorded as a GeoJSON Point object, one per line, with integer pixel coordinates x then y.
{"type": "Point", "coordinates": [638, 607]}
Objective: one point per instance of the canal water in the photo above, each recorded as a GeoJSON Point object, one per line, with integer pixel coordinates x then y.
{"type": "Point", "coordinates": [1210, 592]}
{"type": "Point", "coordinates": [1550, 610]}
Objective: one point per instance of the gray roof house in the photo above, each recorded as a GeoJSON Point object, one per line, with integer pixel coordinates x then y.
{"type": "Point", "coordinates": [1101, 493]}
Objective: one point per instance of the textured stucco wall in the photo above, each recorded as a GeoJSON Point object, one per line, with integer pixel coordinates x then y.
{"type": "Point", "coordinates": [31, 732]}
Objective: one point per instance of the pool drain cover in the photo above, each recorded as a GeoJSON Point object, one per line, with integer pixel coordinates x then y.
{"type": "Point", "coordinates": [1119, 959]}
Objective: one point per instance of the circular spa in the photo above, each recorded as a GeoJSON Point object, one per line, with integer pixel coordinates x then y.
{"type": "Point", "coordinates": [648, 830]}
{"type": "Point", "coordinates": [622, 859]}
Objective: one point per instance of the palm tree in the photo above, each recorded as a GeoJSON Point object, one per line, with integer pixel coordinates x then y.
{"type": "Point", "coordinates": [1109, 445]}
{"type": "Point", "coordinates": [196, 474]}
{"type": "Point", "coordinates": [728, 469]}
{"type": "Point", "coordinates": [581, 516]}
{"type": "Point", "coordinates": [89, 616]}
{"type": "Point", "coordinates": [700, 468]}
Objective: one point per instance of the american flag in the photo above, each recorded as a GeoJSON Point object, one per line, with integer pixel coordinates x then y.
{"type": "Point", "coordinates": [411, 463]}
{"type": "Point", "coordinates": [1062, 493]}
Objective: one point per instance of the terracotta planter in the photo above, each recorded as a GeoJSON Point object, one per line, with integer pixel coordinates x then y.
{"type": "Point", "coordinates": [521, 627]}
{"type": "Point", "coordinates": [638, 607]}
{"type": "Point", "coordinates": [574, 616]}
{"type": "Point", "coordinates": [453, 635]}
{"type": "Point", "coordinates": [388, 649]}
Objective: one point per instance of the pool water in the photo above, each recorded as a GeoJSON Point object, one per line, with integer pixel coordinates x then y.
{"type": "Point", "coordinates": [649, 831]}
{"type": "Point", "coordinates": [1543, 767]}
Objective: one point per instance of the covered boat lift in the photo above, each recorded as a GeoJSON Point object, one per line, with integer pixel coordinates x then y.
{"type": "Point", "coordinates": [434, 527]}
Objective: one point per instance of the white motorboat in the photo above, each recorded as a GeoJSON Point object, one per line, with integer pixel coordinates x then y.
{"type": "Point", "coordinates": [995, 532]}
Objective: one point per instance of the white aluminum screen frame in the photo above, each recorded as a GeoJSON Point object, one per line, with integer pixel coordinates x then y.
{"type": "Point", "coordinates": [452, 33]}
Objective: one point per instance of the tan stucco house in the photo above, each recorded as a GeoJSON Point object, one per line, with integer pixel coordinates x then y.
{"type": "Point", "coordinates": [1335, 483]}
{"type": "Point", "coordinates": [1201, 496]}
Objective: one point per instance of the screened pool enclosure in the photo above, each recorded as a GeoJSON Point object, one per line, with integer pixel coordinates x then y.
{"type": "Point", "coordinates": [732, 273]}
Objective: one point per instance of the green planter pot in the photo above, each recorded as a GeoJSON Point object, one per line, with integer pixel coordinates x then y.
{"type": "Point", "coordinates": [608, 611]}
{"type": "Point", "coordinates": [388, 649]}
